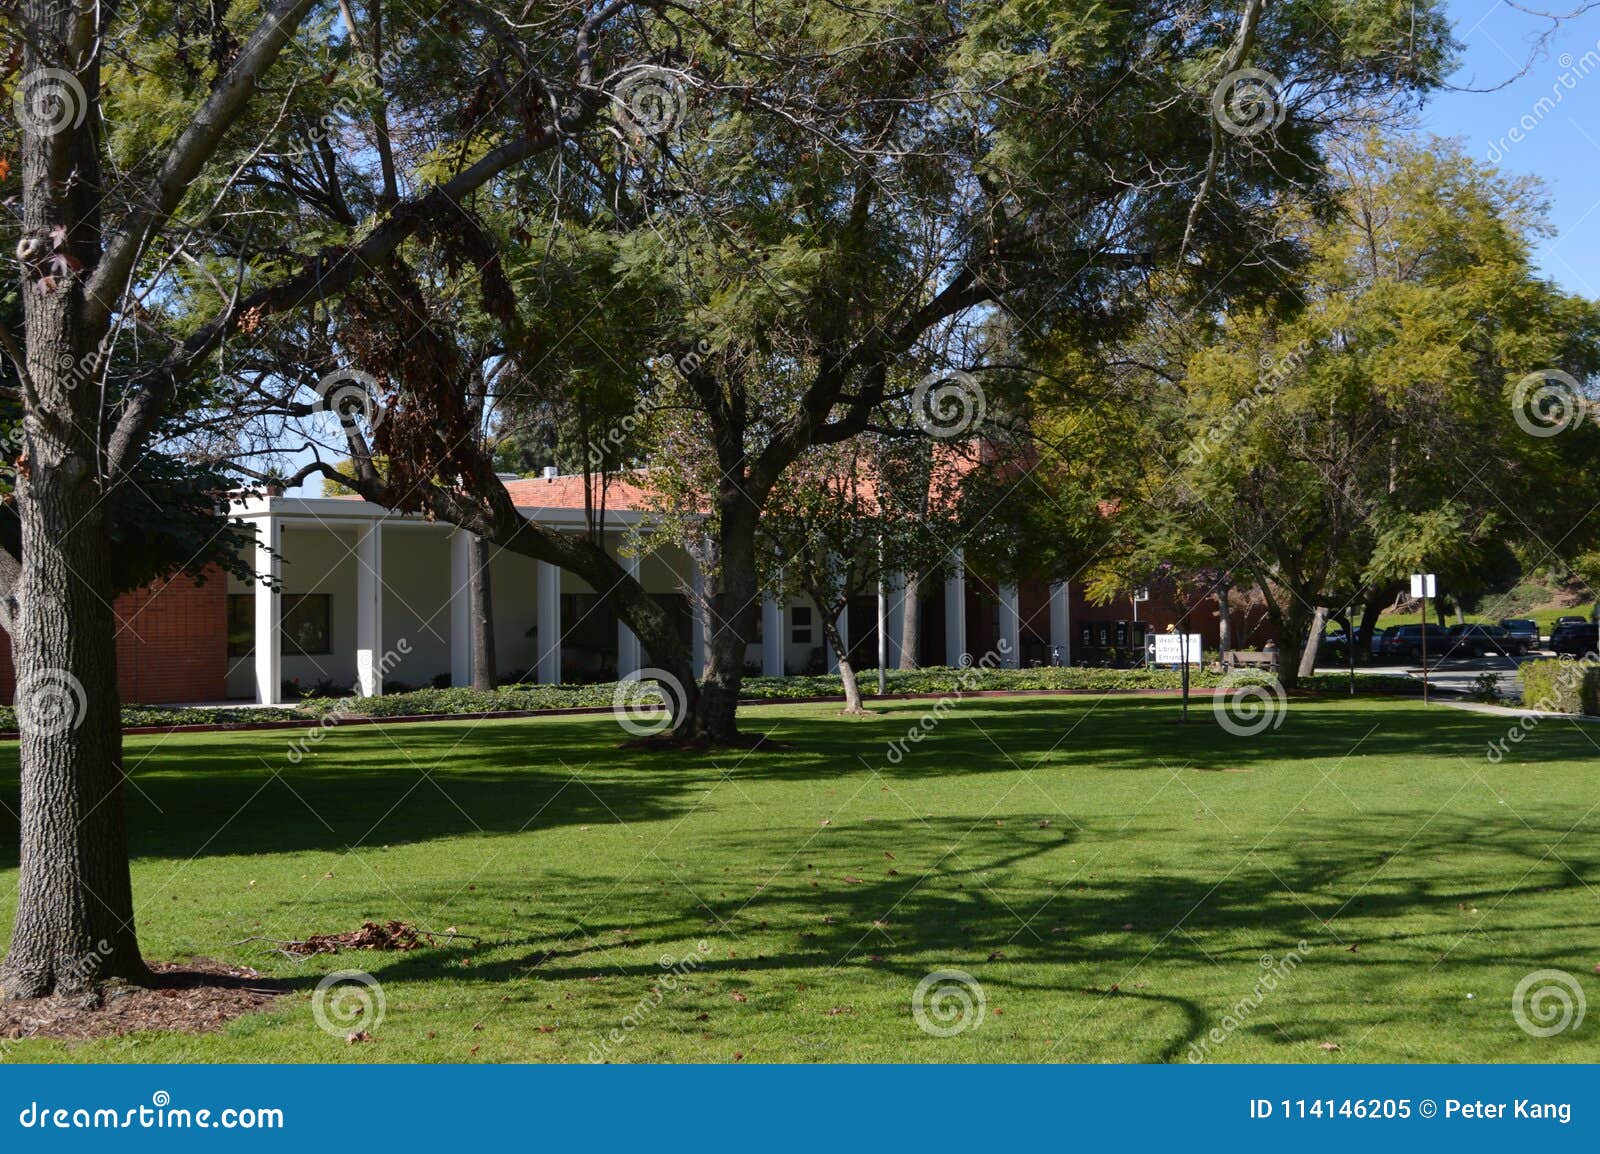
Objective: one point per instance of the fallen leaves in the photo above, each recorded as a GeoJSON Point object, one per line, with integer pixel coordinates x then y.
{"type": "Point", "coordinates": [390, 935]}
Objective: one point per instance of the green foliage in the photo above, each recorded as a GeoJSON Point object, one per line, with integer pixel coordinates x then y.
{"type": "Point", "coordinates": [1589, 692]}
{"type": "Point", "coordinates": [1556, 686]}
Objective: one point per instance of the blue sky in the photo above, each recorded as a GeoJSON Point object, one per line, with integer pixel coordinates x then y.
{"type": "Point", "coordinates": [1558, 141]}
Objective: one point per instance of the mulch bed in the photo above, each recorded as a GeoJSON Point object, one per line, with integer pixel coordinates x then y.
{"type": "Point", "coordinates": [194, 998]}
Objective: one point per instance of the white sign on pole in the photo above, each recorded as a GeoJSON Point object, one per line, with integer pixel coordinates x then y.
{"type": "Point", "coordinates": [1176, 648]}
{"type": "Point", "coordinates": [1424, 585]}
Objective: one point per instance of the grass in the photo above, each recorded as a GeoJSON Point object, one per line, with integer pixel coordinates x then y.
{"type": "Point", "coordinates": [1113, 880]}
{"type": "Point", "coordinates": [1545, 616]}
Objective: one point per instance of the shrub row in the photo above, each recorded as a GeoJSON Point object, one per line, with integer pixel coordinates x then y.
{"type": "Point", "coordinates": [1561, 686]}
{"type": "Point", "coordinates": [522, 698]}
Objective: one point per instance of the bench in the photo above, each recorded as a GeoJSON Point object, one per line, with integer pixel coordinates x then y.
{"type": "Point", "coordinates": [1251, 659]}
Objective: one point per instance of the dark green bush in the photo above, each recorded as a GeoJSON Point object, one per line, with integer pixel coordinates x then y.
{"type": "Point", "coordinates": [1589, 692]}
{"type": "Point", "coordinates": [525, 697]}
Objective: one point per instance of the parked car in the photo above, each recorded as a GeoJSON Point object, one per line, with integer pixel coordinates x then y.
{"type": "Point", "coordinates": [1575, 639]}
{"type": "Point", "coordinates": [1408, 640]}
{"type": "Point", "coordinates": [1380, 638]}
{"type": "Point", "coordinates": [1484, 641]}
{"type": "Point", "coordinates": [1334, 647]}
{"type": "Point", "coordinates": [1571, 620]}
{"type": "Point", "coordinates": [1524, 629]}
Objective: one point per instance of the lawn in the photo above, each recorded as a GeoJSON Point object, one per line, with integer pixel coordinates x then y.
{"type": "Point", "coordinates": [1545, 616]}
{"type": "Point", "coordinates": [1117, 884]}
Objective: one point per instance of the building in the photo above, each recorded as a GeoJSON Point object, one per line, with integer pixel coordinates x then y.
{"type": "Point", "coordinates": [372, 599]}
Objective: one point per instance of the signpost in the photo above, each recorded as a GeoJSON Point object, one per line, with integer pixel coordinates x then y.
{"type": "Point", "coordinates": [1177, 649]}
{"type": "Point", "coordinates": [1182, 650]}
{"type": "Point", "coordinates": [1424, 585]}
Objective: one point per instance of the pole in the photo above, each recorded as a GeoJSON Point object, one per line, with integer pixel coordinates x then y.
{"type": "Point", "coordinates": [1424, 640]}
{"type": "Point", "coordinates": [1183, 654]}
{"type": "Point", "coordinates": [883, 638]}
{"type": "Point", "coordinates": [1350, 647]}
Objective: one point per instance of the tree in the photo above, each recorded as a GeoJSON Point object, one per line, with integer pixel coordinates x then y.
{"type": "Point", "coordinates": [1326, 452]}
{"type": "Point", "coordinates": [142, 257]}
{"type": "Point", "coordinates": [835, 529]}
{"type": "Point", "coordinates": [1023, 143]}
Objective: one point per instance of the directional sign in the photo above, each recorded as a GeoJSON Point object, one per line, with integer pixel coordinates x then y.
{"type": "Point", "coordinates": [1170, 649]}
{"type": "Point", "coordinates": [1424, 585]}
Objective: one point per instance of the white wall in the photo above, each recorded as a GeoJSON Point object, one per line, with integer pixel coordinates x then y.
{"type": "Point", "coordinates": [315, 560]}
{"type": "Point", "coordinates": [320, 558]}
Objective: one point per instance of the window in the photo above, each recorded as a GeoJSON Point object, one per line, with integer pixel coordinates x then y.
{"type": "Point", "coordinates": [306, 624]}
{"type": "Point", "coordinates": [800, 625]}
{"type": "Point", "coordinates": [241, 623]}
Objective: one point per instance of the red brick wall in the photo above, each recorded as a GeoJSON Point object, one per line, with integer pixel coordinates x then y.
{"type": "Point", "coordinates": [172, 643]}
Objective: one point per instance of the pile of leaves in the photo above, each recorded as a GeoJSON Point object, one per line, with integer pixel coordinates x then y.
{"type": "Point", "coordinates": [390, 935]}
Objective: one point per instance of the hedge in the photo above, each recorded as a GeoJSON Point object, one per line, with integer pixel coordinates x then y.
{"type": "Point", "coordinates": [529, 698]}
{"type": "Point", "coordinates": [1561, 686]}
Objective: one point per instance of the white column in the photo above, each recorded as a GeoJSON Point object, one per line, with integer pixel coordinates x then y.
{"type": "Point", "coordinates": [549, 631]}
{"type": "Point", "coordinates": [1061, 620]}
{"type": "Point", "coordinates": [629, 651]}
{"type": "Point", "coordinates": [955, 607]}
{"type": "Point", "coordinates": [369, 609]}
{"type": "Point", "coordinates": [893, 594]}
{"type": "Point", "coordinates": [774, 625]}
{"type": "Point", "coordinates": [460, 608]}
{"type": "Point", "coordinates": [269, 615]}
{"type": "Point", "coordinates": [1010, 628]}
{"type": "Point", "coordinates": [699, 620]}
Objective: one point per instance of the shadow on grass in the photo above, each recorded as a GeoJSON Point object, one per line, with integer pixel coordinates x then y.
{"type": "Point", "coordinates": [1008, 907]}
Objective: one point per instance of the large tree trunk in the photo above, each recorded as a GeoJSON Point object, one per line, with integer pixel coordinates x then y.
{"type": "Point", "coordinates": [1224, 624]}
{"type": "Point", "coordinates": [911, 622]}
{"type": "Point", "coordinates": [1308, 655]}
{"type": "Point", "coordinates": [74, 922]}
{"type": "Point", "coordinates": [485, 674]}
{"type": "Point", "coordinates": [732, 615]}
{"type": "Point", "coordinates": [1290, 624]}
{"type": "Point", "coordinates": [1371, 610]}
